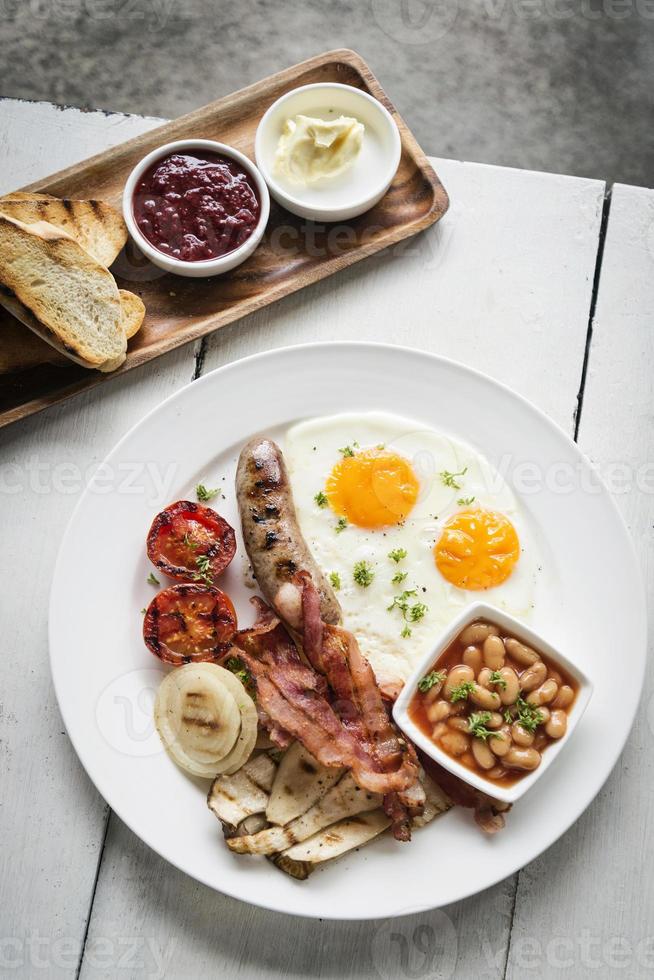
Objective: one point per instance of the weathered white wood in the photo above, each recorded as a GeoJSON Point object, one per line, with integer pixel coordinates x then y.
{"type": "Point", "coordinates": [503, 283]}
{"type": "Point", "coordinates": [52, 821]}
{"type": "Point", "coordinates": [37, 138]}
{"type": "Point", "coordinates": [585, 908]}
{"type": "Point", "coordinates": [478, 287]}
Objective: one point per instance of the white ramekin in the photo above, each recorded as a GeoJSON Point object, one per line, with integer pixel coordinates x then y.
{"type": "Point", "coordinates": [204, 267]}
{"type": "Point", "coordinates": [347, 100]}
{"type": "Point", "coordinates": [513, 627]}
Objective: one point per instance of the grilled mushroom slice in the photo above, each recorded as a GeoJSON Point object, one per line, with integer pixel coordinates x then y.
{"type": "Point", "coordinates": [246, 792]}
{"type": "Point", "coordinates": [338, 838]}
{"type": "Point", "coordinates": [345, 799]}
{"type": "Point", "coordinates": [300, 782]}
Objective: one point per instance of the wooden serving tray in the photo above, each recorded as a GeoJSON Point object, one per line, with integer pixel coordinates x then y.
{"type": "Point", "coordinates": [293, 253]}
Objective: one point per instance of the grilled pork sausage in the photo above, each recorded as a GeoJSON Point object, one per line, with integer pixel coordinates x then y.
{"type": "Point", "coordinates": [273, 539]}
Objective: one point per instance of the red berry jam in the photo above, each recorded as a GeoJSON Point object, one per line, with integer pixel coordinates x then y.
{"type": "Point", "coordinates": [196, 207]}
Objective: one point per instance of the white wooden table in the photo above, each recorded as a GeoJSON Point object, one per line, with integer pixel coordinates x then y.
{"type": "Point", "coordinates": [523, 280]}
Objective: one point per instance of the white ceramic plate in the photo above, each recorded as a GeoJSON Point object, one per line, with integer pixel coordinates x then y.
{"type": "Point", "coordinates": [105, 678]}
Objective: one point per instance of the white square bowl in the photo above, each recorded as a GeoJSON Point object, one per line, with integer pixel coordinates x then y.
{"type": "Point", "coordinates": [511, 627]}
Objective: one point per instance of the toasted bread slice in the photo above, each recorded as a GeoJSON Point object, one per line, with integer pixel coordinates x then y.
{"type": "Point", "coordinates": [21, 348]}
{"type": "Point", "coordinates": [133, 312]}
{"type": "Point", "coordinates": [97, 226]}
{"type": "Point", "coordinates": [72, 300]}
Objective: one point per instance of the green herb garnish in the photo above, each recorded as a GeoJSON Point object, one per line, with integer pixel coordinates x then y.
{"type": "Point", "coordinates": [341, 524]}
{"type": "Point", "coordinates": [238, 669]}
{"type": "Point", "coordinates": [497, 679]}
{"type": "Point", "coordinates": [153, 580]}
{"type": "Point", "coordinates": [346, 451]}
{"type": "Point", "coordinates": [205, 493]}
{"type": "Point", "coordinates": [528, 716]}
{"type": "Point", "coordinates": [449, 479]}
{"type": "Point", "coordinates": [461, 692]}
{"type": "Point", "coordinates": [465, 501]}
{"type": "Point", "coordinates": [143, 611]}
{"type": "Point", "coordinates": [363, 574]}
{"type": "Point", "coordinates": [399, 577]}
{"type": "Point", "coordinates": [477, 725]}
{"type": "Point", "coordinates": [321, 499]}
{"type": "Point", "coordinates": [406, 633]}
{"type": "Point", "coordinates": [203, 574]}
{"type": "Point", "coordinates": [430, 680]}
{"type": "Point", "coordinates": [417, 611]}
{"type": "Point", "coordinates": [335, 579]}
{"type": "Point", "coordinates": [397, 555]}
{"type": "Point", "coordinates": [411, 613]}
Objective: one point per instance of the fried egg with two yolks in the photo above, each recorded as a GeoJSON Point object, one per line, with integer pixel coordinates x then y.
{"type": "Point", "coordinates": [410, 526]}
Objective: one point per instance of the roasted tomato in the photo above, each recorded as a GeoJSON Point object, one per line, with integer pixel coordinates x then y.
{"type": "Point", "coordinates": [190, 542]}
{"type": "Point", "coordinates": [189, 623]}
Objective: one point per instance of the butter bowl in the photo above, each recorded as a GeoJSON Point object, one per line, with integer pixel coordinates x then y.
{"type": "Point", "coordinates": [356, 189]}
{"type": "Point", "coordinates": [409, 715]}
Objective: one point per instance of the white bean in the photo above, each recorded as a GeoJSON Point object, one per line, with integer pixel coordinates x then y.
{"type": "Point", "coordinates": [477, 633]}
{"type": "Point", "coordinates": [438, 730]}
{"type": "Point", "coordinates": [522, 654]}
{"type": "Point", "coordinates": [494, 652]}
{"type": "Point", "coordinates": [472, 658]}
{"type": "Point", "coordinates": [564, 698]}
{"type": "Point", "coordinates": [521, 736]}
{"type": "Point", "coordinates": [483, 755]}
{"type": "Point", "coordinates": [509, 693]}
{"type": "Point", "coordinates": [438, 711]}
{"type": "Point", "coordinates": [456, 743]}
{"type": "Point", "coordinates": [495, 721]}
{"type": "Point", "coordinates": [458, 724]}
{"type": "Point", "coordinates": [518, 758]}
{"type": "Point", "coordinates": [484, 676]}
{"type": "Point", "coordinates": [497, 772]}
{"type": "Point", "coordinates": [557, 725]}
{"type": "Point", "coordinates": [501, 743]}
{"type": "Point", "coordinates": [457, 676]}
{"type": "Point", "coordinates": [543, 694]}
{"type": "Point", "coordinates": [533, 677]}
{"type": "Point", "coordinates": [484, 698]}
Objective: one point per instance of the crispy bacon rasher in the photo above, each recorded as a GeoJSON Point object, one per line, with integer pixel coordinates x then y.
{"type": "Point", "coordinates": [331, 704]}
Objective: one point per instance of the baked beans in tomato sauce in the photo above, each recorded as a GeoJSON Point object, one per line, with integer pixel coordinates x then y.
{"type": "Point", "coordinates": [493, 704]}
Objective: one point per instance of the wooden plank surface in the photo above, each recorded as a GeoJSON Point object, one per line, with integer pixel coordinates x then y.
{"type": "Point", "coordinates": [478, 287]}
{"type": "Point", "coordinates": [291, 255]}
{"type": "Point", "coordinates": [602, 871]}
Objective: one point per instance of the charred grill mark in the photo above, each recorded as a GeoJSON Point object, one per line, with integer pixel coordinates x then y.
{"type": "Point", "coordinates": [213, 726]}
{"type": "Point", "coordinates": [271, 539]}
{"type": "Point", "coordinates": [286, 569]}
{"type": "Point", "coordinates": [307, 766]}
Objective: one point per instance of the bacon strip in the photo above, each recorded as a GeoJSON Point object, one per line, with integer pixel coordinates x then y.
{"type": "Point", "coordinates": [293, 695]}
{"type": "Point", "coordinates": [335, 653]}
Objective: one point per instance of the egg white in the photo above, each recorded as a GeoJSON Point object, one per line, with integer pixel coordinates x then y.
{"type": "Point", "coordinates": [311, 449]}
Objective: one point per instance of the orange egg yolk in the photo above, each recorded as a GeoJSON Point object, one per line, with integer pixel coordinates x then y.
{"type": "Point", "coordinates": [478, 549]}
{"type": "Point", "coordinates": [373, 488]}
